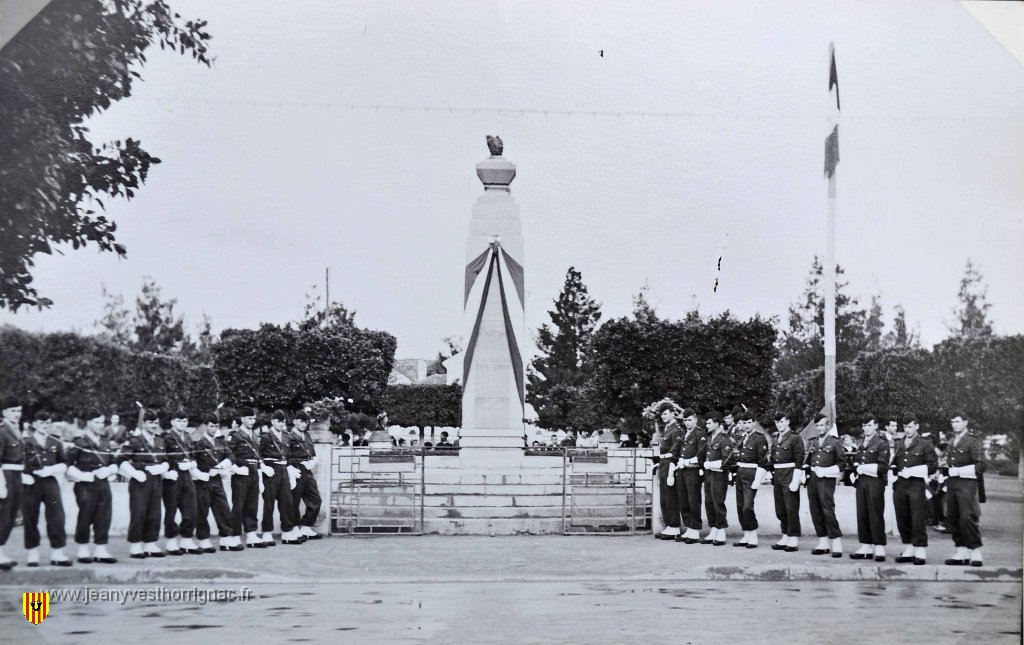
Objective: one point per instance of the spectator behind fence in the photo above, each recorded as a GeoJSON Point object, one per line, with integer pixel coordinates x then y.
{"type": "Point", "coordinates": [444, 443]}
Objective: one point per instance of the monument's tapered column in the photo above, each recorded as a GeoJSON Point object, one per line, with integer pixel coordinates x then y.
{"type": "Point", "coordinates": [493, 367]}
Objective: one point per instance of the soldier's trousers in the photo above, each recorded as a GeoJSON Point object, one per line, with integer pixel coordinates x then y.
{"type": "Point", "coordinates": [245, 501]}
{"type": "Point", "coordinates": [94, 511]}
{"type": "Point", "coordinates": [144, 508]}
{"type": "Point", "coordinates": [821, 498]}
{"type": "Point", "coordinates": [669, 500]}
{"type": "Point", "coordinates": [911, 506]}
{"type": "Point", "coordinates": [715, 486]}
{"type": "Point", "coordinates": [688, 494]}
{"type": "Point", "coordinates": [306, 491]}
{"type": "Point", "coordinates": [210, 496]}
{"type": "Point", "coordinates": [277, 489]}
{"type": "Point", "coordinates": [45, 491]}
{"type": "Point", "coordinates": [963, 512]}
{"type": "Point", "coordinates": [787, 509]}
{"type": "Point", "coordinates": [938, 506]}
{"type": "Point", "coordinates": [180, 495]}
{"type": "Point", "coordinates": [745, 493]}
{"type": "Point", "coordinates": [871, 510]}
{"type": "Point", "coordinates": [10, 505]}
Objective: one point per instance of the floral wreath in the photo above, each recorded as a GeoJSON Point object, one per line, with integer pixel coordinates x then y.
{"type": "Point", "coordinates": [652, 411]}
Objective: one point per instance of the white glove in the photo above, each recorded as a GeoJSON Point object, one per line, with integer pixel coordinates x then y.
{"type": "Point", "coordinates": [715, 465]}
{"type": "Point", "coordinates": [266, 470]}
{"type": "Point", "coordinates": [670, 478]}
{"type": "Point", "coordinates": [831, 471]}
{"type": "Point", "coordinates": [139, 476]}
{"type": "Point", "coordinates": [798, 479]}
{"type": "Point", "coordinates": [293, 475]}
{"type": "Point", "coordinates": [225, 466]}
{"type": "Point", "coordinates": [3, 486]}
{"type": "Point", "coordinates": [100, 473]}
{"type": "Point", "coordinates": [666, 455]}
{"type": "Point", "coordinates": [45, 471]}
{"type": "Point", "coordinates": [240, 470]}
{"type": "Point", "coordinates": [171, 475]}
{"type": "Point", "coordinates": [759, 476]}
{"type": "Point", "coordinates": [199, 475]}
{"type": "Point", "coordinates": [158, 469]}
{"type": "Point", "coordinates": [186, 465]}
{"type": "Point", "coordinates": [27, 480]}
{"type": "Point", "coordinates": [954, 471]}
{"type": "Point", "coordinates": [915, 471]}
{"type": "Point", "coordinates": [871, 470]}
{"type": "Point", "coordinates": [967, 472]}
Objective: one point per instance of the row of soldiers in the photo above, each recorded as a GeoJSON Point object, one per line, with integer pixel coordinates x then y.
{"type": "Point", "coordinates": [171, 471]}
{"type": "Point", "coordinates": [730, 449]}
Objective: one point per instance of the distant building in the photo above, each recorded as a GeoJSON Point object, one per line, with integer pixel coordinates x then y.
{"type": "Point", "coordinates": [413, 371]}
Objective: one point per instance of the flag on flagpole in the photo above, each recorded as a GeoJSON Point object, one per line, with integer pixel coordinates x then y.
{"type": "Point", "coordinates": [832, 140]}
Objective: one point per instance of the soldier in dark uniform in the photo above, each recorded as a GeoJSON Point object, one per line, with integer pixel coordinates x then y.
{"type": "Point", "coordinates": [692, 454]}
{"type": "Point", "coordinates": [44, 462]}
{"type": "Point", "coordinates": [213, 462]}
{"type": "Point", "coordinates": [179, 489]}
{"type": "Point", "coordinates": [668, 453]}
{"type": "Point", "coordinates": [245, 479]}
{"type": "Point", "coordinates": [302, 455]}
{"type": "Point", "coordinates": [718, 462]}
{"type": "Point", "coordinates": [143, 461]}
{"type": "Point", "coordinates": [278, 481]}
{"type": "Point", "coordinates": [826, 461]}
{"type": "Point", "coordinates": [11, 466]}
{"type": "Point", "coordinates": [965, 462]}
{"type": "Point", "coordinates": [732, 426]}
{"type": "Point", "coordinates": [871, 474]}
{"type": "Point", "coordinates": [751, 469]}
{"type": "Point", "coordinates": [913, 463]}
{"type": "Point", "coordinates": [937, 484]}
{"type": "Point", "coordinates": [91, 466]}
{"type": "Point", "coordinates": [787, 466]}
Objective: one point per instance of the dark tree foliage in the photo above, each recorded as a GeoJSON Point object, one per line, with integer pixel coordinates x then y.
{"type": "Point", "coordinates": [558, 375]}
{"type": "Point", "coordinates": [705, 364]}
{"type": "Point", "coordinates": [284, 367]}
{"type": "Point", "coordinates": [972, 307]}
{"type": "Point", "coordinates": [70, 62]}
{"type": "Point", "coordinates": [423, 405]}
{"type": "Point", "coordinates": [69, 373]}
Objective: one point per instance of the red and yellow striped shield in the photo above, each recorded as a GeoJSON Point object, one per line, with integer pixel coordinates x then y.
{"type": "Point", "coordinates": [35, 606]}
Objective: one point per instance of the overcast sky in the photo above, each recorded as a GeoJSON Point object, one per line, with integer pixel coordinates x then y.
{"type": "Point", "coordinates": [268, 176]}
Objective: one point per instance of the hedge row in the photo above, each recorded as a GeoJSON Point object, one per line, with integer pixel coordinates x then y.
{"type": "Point", "coordinates": [68, 373]}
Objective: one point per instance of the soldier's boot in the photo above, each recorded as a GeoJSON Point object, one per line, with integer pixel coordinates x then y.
{"type": "Point", "coordinates": [907, 555]}
{"type": "Point", "coordinates": [136, 551]}
{"type": "Point", "coordinates": [920, 555]}
{"type": "Point", "coordinates": [84, 556]}
{"type": "Point", "coordinates": [206, 546]}
{"type": "Point", "coordinates": [792, 544]}
{"type": "Point", "coordinates": [253, 541]}
{"type": "Point", "coordinates": [101, 555]}
{"type": "Point", "coordinates": [668, 533]}
{"type": "Point", "coordinates": [32, 557]}
{"type": "Point", "coordinates": [879, 553]}
{"type": "Point", "coordinates": [153, 550]}
{"type": "Point", "coordinates": [59, 559]}
{"type": "Point", "coordinates": [191, 547]}
{"type": "Point", "coordinates": [976, 560]}
{"type": "Point", "coordinates": [837, 548]}
{"type": "Point", "coordinates": [752, 540]}
{"type": "Point", "coordinates": [310, 533]}
{"type": "Point", "coordinates": [781, 544]}
{"type": "Point", "coordinates": [173, 548]}
{"type": "Point", "coordinates": [822, 547]}
{"type": "Point", "coordinates": [862, 553]}
{"type": "Point", "coordinates": [743, 540]}
{"type": "Point", "coordinates": [959, 558]}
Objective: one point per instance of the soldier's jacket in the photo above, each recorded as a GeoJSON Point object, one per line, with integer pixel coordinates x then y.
{"type": "Point", "coordinates": [875, 451]}
{"type": "Point", "coordinates": [968, 451]}
{"type": "Point", "coordinates": [11, 451]}
{"type": "Point", "coordinates": [209, 451]}
{"type": "Point", "coordinates": [300, 447]}
{"type": "Point", "coordinates": [825, 453]}
{"type": "Point", "coordinates": [178, 448]}
{"type": "Point", "coordinates": [671, 437]}
{"type": "Point", "coordinates": [141, 453]}
{"type": "Point", "coordinates": [39, 456]}
{"type": "Point", "coordinates": [721, 446]}
{"type": "Point", "coordinates": [788, 449]}
{"type": "Point", "coordinates": [87, 455]}
{"type": "Point", "coordinates": [735, 433]}
{"type": "Point", "coordinates": [920, 452]}
{"type": "Point", "coordinates": [244, 447]}
{"type": "Point", "coordinates": [693, 443]}
{"type": "Point", "coordinates": [273, 448]}
{"type": "Point", "coordinates": [753, 449]}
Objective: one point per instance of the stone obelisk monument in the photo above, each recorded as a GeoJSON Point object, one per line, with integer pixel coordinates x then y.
{"type": "Point", "coordinates": [493, 375]}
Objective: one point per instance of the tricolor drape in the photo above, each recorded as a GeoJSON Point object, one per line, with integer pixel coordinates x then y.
{"type": "Point", "coordinates": [502, 272]}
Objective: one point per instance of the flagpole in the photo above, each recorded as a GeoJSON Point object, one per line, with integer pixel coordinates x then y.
{"type": "Point", "coordinates": [831, 161]}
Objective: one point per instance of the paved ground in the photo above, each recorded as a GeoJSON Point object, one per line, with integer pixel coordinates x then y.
{"type": "Point", "coordinates": [543, 589]}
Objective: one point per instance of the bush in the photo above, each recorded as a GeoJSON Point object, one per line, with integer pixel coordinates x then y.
{"type": "Point", "coordinates": [706, 364]}
{"type": "Point", "coordinates": [424, 405]}
{"type": "Point", "coordinates": [68, 372]}
{"type": "Point", "coordinates": [282, 367]}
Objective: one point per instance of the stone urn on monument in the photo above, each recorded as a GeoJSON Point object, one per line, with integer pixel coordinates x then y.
{"type": "Point", "coordinates": [493, 376]}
